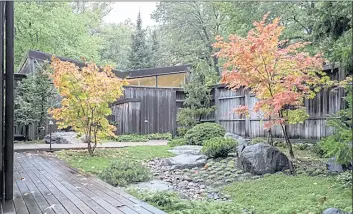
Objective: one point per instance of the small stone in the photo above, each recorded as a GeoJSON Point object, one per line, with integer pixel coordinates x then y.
{"type": "Point", "coordinates": [239, 171]}
{"type": "Point", "coordinates": [228, 180]}
{"type": "Point", "coordinates": [186, 178]}
{"type": "Point", "coordinates": [256, 177]}
{"type": "Point", "coordinates": [227, 174]}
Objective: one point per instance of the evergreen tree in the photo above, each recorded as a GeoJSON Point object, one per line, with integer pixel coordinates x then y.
{"type": "Point", "coordinates": [155, 50]}
{"type": "Point", "coordinates": [140, 53]}
{"type": "Point", "coordinates": [34, 96]}
{"type": "Point", "coordinates": [198, 99]}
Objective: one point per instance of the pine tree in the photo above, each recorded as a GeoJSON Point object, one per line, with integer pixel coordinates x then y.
{"type": "Point", "coordinates": [198, 99]}
{"type": "Point", "coordinates": [155, 50]}
{"type": "Point", "coordinates": [34, 96]}
{"type": "Point", "coordinates": [140, 55]}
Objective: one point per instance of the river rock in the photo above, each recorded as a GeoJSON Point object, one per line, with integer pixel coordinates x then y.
{"type": "Point", "coordinates": [333, 211]}
{"type": "Point", "coordinates": [242, 143]}
{"type": "Point", "coordinates": [187, 149]}
{"type": "Point", "coordinates": [62, 138]}
{"type": "Point", "coordinates": [184, 161]}
{"type": "Point", "coordinates": [154, 185]}
{"type": "Point", "coordinates": [262, 158]}
{"type": "Point", "coordinates": [333, 166]}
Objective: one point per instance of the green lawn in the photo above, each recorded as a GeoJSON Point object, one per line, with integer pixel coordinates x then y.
{"type": "Point", "coordinates": [79, 159]}
{"type": "Point", "coordinates": [290, 194]}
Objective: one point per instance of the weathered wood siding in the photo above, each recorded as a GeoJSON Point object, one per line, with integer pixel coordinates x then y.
{"type": "Point", "coordinates": [153, 110]}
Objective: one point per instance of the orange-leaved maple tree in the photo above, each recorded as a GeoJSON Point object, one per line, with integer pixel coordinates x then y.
{"type": "Point", "coordinates": [281, 76]}
{"type": "Point", "coordinates": [86, 94]}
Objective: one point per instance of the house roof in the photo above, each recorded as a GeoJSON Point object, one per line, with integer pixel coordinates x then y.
{"type": "Point", "coordinates": [131, 74]}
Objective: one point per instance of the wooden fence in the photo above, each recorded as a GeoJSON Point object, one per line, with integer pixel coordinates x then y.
{"type": "Point", "coordinates": [152, 110]}
{"type": "Point", "coordinates": [144, 110]}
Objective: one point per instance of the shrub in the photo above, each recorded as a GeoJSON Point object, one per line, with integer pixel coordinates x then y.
{"type": "Point", "coordinates": [316, 149]}
{"type": "Point", "coordinates": [345, 178]}
{"type": "Point", "coordinates": [218, 147]}
{"type": "Point", "coordinates": [339, 144]}
{"type": "Point", "coordinates": [204, 131]}
{"type": "Point", "coordinates": [124, 172]}
{"type": "Point", "coordinates": [279, 144]}
{"type": "Point", "coordinates": [159, 136]}
{"type": "Point", "coordinates": [172, 203]}
{"type": "Point", "coordinates": [301, 146]}
{"type": "Point", "coordinates": [131, 138]}
{"type": "Point", "coordinates": [177, 142]}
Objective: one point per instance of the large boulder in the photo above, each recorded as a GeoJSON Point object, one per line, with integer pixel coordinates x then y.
{"type": "Point", "coordinates": [187, 149]}
{"type": "Point", "coordinates": [185, 161]}
{"type": "Point", "coordinates": [242, 143]}
{"type": "Point", "coordinates": [62, 138]}
{"type": "Point", "coordinates": [333, 166]}
{"type": "Point", "coordinates": [262, 158]}
{"type": "Point", "coordinates": [333, 211]}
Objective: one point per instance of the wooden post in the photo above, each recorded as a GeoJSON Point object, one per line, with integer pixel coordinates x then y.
{"type": "Point", "coordinates": [9, 101]}
{"type": "Point", "coordinates": [247, 119]}
{"type": "Point", "coordinates": [216, 99]}
{"type": "Point", "coordinates": [2, 22]}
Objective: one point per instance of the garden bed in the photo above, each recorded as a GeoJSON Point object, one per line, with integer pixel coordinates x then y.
{"type": "Point", "coordinates": [221, 184]}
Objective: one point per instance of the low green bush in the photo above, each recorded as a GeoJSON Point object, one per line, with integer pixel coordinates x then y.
{"type": "Point", "coordinates": [219, 147]}
{"type": "Point", "coordinates": [124, 172]}
{"type": "Point", "coordinates": [177, 142]}
{"type": "Point", "coordinates": [301, 146]}
{"type": "Point", "coordinates": [204, 131]}
{"type": "Point", "coordinates": [131, 138]}
{"type": "Point", "coordinates": [345, 179]}
{"type": "Point", "coordinates": [172, 203]}
{"type": "Point", "coordinates": [159, 136]}
{"type": "Point", "coordinates": [280, 144]}
{"type": "Point", "coordinates": [143, 138]}
{"type": "Point", "coordinates": [316, 149]}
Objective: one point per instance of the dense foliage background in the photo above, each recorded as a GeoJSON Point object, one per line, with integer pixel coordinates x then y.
{"type": "Point", "coordinates": [185, 30]}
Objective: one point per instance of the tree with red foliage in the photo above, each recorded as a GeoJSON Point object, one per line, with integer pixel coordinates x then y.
{"type": "Point", "coordinates": [280, 77]}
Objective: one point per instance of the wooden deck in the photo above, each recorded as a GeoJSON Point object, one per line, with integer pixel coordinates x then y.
{"type": "Point", "coordinates": [46, 185]}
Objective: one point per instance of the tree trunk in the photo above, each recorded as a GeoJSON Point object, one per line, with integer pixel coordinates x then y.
{"type": "Point", "coordinates": [26, 132]}
{"type": "Point", "coordinates": [269, 137]}
{"type": "Point", "coordinates": [290, 149]}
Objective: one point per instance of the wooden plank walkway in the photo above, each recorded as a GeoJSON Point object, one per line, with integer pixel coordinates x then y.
{"type": "Point", "coordinates": [45, 185]}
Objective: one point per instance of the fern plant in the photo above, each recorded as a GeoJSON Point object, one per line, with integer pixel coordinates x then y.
{"type": "Point", "coordinates": [339, 144]}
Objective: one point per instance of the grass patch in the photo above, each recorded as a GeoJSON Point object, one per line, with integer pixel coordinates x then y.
{"type": "Point", "coordinates": [80, 159]}
{"type": "Point", "coordinates": [290, 194]}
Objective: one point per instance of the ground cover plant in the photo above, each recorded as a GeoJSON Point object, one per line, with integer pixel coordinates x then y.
{"type": "Point", "coordinates": [291, 194]}
{"type": "Point", "coordinates": [122, 172]}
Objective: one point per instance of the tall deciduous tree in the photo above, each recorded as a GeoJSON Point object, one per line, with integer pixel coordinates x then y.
{"type": "Point", "coordinates": [140, 55]}
{"type": "Point", "coordinates": [34, 96]}
{"type": "Point", "coordinates": [117, 43]}
{"type": "Point", "coordinates": [280, 77]}
{"type": "Point", "coordinates": [53, 27]}
{"type": "Point", "coordinates": [86, 94]}
{"type": "Point", "coordinates": [188, 31]}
